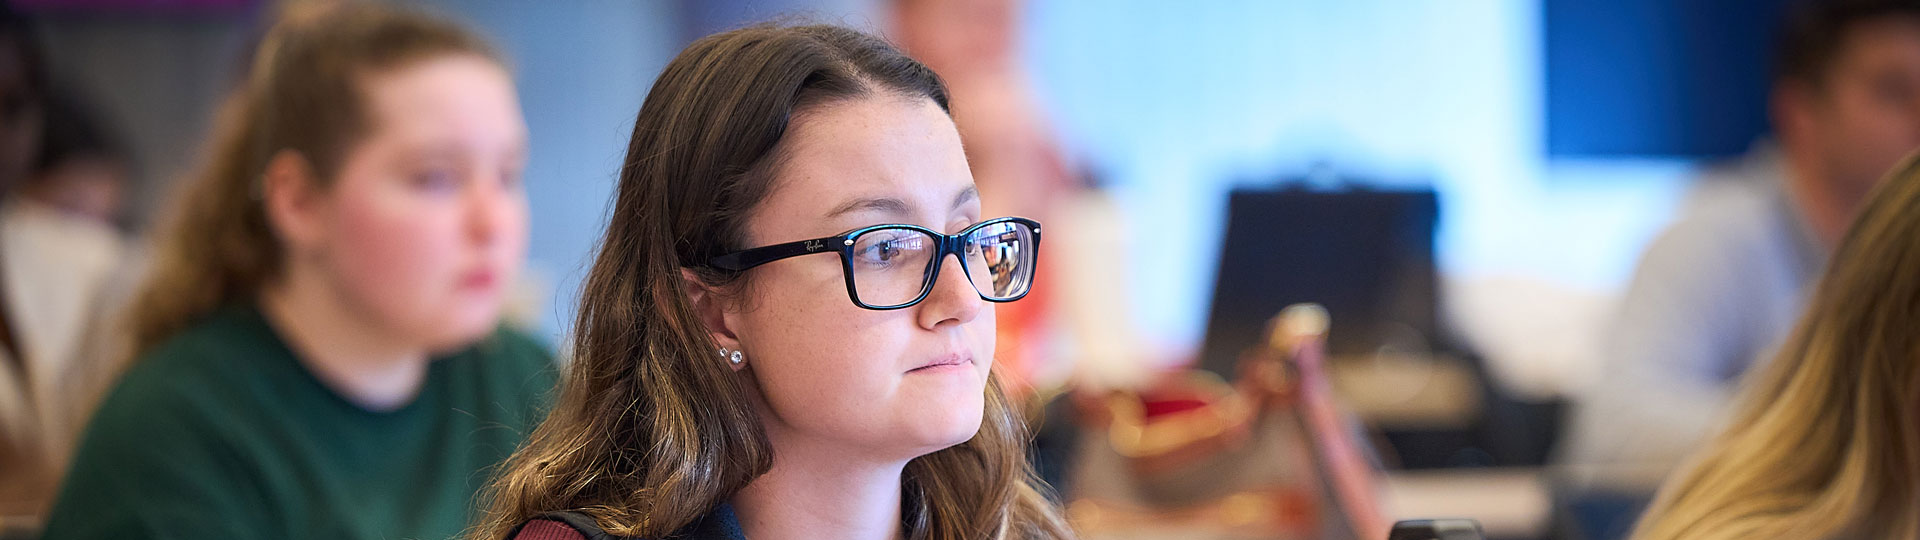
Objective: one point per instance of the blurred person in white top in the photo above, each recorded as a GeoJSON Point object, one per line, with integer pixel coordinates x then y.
{"type": "Point", "coordinates": [57, 272]}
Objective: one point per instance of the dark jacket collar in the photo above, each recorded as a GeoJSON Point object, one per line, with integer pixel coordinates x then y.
{"type": "Point", "coordinates": [720, 524]}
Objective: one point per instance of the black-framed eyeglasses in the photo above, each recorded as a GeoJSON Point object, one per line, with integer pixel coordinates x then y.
{"type": "Point", "coordinates": [894, 266]}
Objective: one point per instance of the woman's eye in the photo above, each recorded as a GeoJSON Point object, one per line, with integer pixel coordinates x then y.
{"type": "Point", "coordinates": [883, 251]}
{"type": "Point", "coordinates": [437, 181]}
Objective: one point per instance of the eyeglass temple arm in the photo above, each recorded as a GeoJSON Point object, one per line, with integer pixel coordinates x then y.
{"type": "Point", "coordinates": [749, 258]}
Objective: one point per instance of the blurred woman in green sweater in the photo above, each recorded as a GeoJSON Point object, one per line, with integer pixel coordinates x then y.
{"type": "Point", "coordinates": [320, 349]}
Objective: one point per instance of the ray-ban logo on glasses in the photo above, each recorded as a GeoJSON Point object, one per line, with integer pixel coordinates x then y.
{"type": "Point", "coordinates": [813, 245]}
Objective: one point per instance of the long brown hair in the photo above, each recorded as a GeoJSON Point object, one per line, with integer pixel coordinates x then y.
{"type": "Point", "coordinates": [651, 432]}
{"type": "Point", "coordinates": [302, 94]}
{"type": "Point", "coordinates": [1824, 443]}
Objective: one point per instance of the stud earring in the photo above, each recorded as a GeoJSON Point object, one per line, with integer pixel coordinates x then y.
{"type": "Point", "coordinates": [735, 358]}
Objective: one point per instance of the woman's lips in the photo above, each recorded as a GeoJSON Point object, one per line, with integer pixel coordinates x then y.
{"type": "Point", "coordinates": [950, 362]}
{"type": "Point", "coordinates": [479, 280]}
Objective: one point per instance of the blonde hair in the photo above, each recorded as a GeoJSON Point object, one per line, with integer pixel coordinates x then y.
{"type": "Point", "coordinates": [650, 432]}
{"type": "Point", "coordinates": [1823, 443]}
{"type": "Point", "coordinates": [302, 94]}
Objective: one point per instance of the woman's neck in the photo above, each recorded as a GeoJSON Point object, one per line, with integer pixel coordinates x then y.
{"type": "Point", "coordinates": [350, 356]}
{"type": "Point", "coordinates": [818, 494]}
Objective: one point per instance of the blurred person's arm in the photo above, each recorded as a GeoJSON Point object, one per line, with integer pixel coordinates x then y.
{"type": "Point", "coordinates": [59, 274]}
{"type": "Point", "coordinates": [102, 351]}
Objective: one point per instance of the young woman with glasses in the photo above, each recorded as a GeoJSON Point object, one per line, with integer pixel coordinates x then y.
{"type": "Point", "coordinates": [789, 329]}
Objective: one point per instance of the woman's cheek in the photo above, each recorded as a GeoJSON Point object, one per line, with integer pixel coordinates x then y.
{"type": "Point", "coordinates": [400, 255]}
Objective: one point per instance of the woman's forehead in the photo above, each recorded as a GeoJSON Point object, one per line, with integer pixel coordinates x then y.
{"type": "Point", "coordinates": [460, 98]}
{"type": "Point", "coordinates": [883, 155]}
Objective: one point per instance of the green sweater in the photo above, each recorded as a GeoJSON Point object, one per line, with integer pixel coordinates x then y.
{"type": "Point", "coordinates": [221, 433]}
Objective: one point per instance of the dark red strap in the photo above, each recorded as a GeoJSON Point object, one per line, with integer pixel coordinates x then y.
{"type": "Point", "coordinates": [543, 529]}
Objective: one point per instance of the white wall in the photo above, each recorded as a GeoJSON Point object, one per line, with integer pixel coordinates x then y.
{"type": "Point", "coordinates": [1178, 102]}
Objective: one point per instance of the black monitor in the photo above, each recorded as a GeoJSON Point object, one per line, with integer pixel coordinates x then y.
{"type": "Point", "coordinates": [1367, 255]}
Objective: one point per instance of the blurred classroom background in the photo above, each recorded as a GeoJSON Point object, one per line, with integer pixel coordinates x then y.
{"type": "Point", "coordinates": [1467, 186]}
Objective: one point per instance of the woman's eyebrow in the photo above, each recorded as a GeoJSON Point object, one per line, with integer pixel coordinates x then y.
{"type": "Point", "coordinates": [886, 205]}
{"type": "Point", "coordinates": [896, 207]}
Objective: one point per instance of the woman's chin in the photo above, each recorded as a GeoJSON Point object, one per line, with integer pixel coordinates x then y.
{"type": "Point", "coordinates": [948, 430]}
{"type": "Point", "coordinates": [465, 329]}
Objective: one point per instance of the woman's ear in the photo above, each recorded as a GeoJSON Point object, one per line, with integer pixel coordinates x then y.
{"type": "Point", "coordinates": [710, 307]}
{"type": "Point", "coordinates": [291, 199]}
